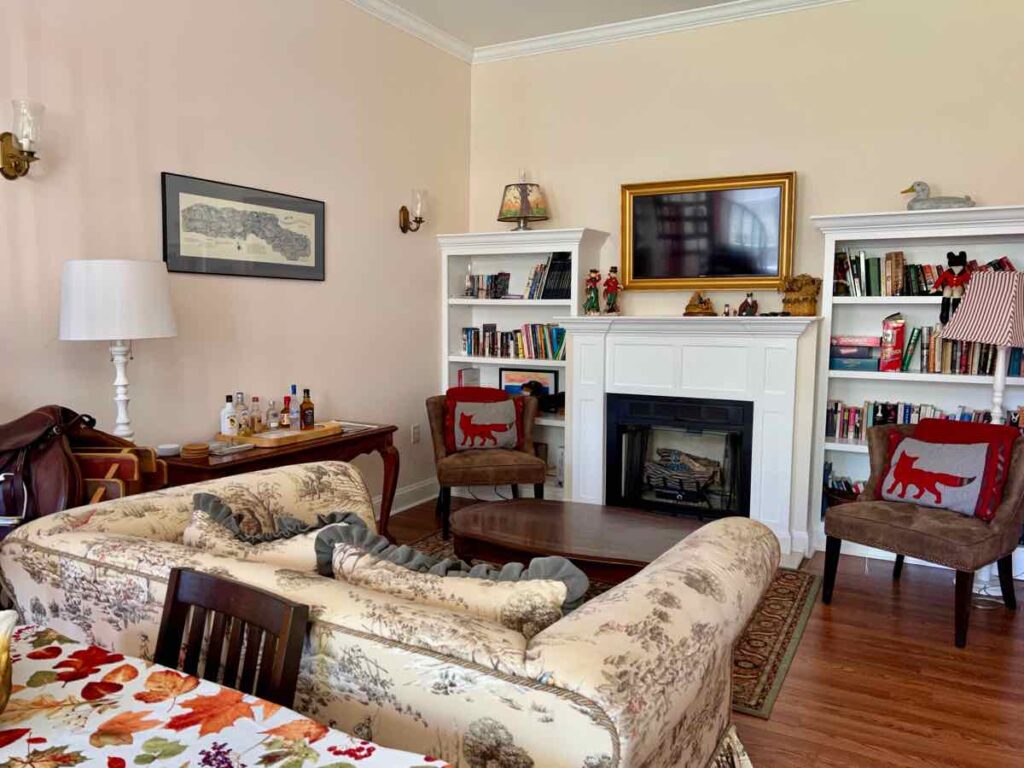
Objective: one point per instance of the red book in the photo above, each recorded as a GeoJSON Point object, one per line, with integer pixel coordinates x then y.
{"type": "Point", "coordinates": [894, 329]}
{"type": "Point", "coordinates": [857, 341]}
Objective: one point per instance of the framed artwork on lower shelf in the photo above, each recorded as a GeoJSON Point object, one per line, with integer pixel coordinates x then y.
{"type": "Point", "coordinates": [512, 380]}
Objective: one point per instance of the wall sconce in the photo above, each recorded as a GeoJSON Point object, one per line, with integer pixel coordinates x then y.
{"type": "Point", "coordinates": [411, 223]}
{"type": "Point", "coordinates": [18, 148]}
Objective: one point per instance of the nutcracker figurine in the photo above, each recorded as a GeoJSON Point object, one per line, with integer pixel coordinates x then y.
{"type": "Point", "coordinates": [612, 288]}
{"type": "Point", "coordinates": [953, 282]}
{"type": "Point", "coordinates": [592, 304]}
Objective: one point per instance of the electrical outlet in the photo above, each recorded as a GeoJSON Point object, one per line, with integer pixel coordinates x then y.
{"type": "Point", "coordinates": [414, 433]}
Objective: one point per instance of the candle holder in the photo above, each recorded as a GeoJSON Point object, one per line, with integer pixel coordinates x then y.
{"type": "Point", "coordinates": [410, 222]}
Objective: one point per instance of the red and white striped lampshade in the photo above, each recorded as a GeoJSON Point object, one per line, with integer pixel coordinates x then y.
{"type": "Point", "coordinates": [992, 311]}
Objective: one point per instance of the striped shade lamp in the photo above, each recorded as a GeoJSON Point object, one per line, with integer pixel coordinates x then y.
{"type": "Point", "coordinates": [992, 312]}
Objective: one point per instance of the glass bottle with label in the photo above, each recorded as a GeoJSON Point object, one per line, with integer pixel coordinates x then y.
{"type": "Point", "coordinates": [286, 417]}
{"type": "Point", "coordinates": [242, 413]}
{"type": "Point", "coordinates": [256, 415]}
{"type": "Point", "coordinates": [306, 418]}
{"type": "Point", "coordinates": [273, 420]}
{"type": "Point", "coordinates": [228, 418]}
{"type": "Point", "coordinates": [294, 413]}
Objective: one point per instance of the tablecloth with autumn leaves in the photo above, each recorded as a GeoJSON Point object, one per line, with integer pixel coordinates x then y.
{"type": "Point", "coordinates": [75, 704]}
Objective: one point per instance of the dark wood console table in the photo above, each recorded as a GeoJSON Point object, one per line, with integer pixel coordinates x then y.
{"type": "Point", "coordinates": [343, 447]}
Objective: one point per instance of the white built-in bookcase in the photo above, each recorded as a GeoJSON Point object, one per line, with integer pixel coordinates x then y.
{"type": "Point", "coordinates": [924, 237]}
{"type": "Point", "coordinates": [515, 252]}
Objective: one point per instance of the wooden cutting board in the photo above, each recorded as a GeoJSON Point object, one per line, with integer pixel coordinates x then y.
{"type": "Point", "coordinates": [277, 437]}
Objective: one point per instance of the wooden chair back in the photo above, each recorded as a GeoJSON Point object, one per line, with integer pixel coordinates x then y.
{"type": "Point", "coordinates": [232, 634]}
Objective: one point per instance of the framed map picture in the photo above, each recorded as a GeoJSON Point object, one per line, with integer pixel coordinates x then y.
{"type": "Point", "coordinates": [224, 229]}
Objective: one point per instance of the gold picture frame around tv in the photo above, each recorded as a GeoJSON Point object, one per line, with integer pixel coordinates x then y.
{"type": "Point", "coordinates": [734, 232]}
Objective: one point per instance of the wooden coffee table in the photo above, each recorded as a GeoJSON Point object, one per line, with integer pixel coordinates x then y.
{"type": "Point", "coordinates": [608, 543]}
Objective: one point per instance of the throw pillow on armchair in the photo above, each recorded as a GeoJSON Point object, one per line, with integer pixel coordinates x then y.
{"type": "Point", "coordinates": [961, 466]}
{"type": "Point", "coordinates": [482, 417]}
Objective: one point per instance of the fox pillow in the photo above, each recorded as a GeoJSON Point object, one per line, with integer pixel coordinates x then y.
{"type": "Point", "coordinates": [944, 475]}
{"type": "Point", "coordinates": [480, 417]}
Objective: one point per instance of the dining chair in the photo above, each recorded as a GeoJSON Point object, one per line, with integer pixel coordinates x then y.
{"type": "Point", "coordinates": [264, 634]}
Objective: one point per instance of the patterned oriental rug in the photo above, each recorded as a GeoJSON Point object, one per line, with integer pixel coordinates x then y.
{"type": "Point", "coordinates": [767, 646]}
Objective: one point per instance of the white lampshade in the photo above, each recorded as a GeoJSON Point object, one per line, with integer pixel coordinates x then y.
{"type": "Point", "coordinates": [115, 299]}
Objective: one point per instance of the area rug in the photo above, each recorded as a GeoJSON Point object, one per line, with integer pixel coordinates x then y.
{"type": "Point", "coordinates": [763, 652]}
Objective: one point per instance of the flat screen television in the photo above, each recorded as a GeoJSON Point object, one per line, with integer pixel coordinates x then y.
{"type": "Point", "coordinates": [735, 232]}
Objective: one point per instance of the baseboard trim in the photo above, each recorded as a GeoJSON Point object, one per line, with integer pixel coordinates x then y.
{"type": "Point", "coordinates": [407, 496]}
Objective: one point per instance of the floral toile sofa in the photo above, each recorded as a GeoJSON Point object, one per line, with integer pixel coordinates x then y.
{"type": "Point", "coordinates": [638, 676]}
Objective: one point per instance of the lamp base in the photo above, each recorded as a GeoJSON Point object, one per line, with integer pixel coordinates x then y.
{"type": "Point", "coordinates": [120, 354]}
{"type": "Point", "coordinates": [521, 225]}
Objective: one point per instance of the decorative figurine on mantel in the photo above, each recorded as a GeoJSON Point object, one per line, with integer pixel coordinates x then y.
{"type": "Point", "coordinates": [592, 304]}
{"type": "Point", "coordinates": [699, 306]}
{"type": "Point", "coordinates": [952, 282]}
{"type": "Point", "coordinates": [748, 307]}
{"type": "Point", "coordinates": [923, 201]}
{"type": "Point", "coordinates": [612, 288]}
{"type": "Point", "coordinates": [800, 297]}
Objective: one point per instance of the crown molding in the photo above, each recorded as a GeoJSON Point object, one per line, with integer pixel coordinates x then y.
{"type": "Point", "coordinates": [398, 17]}
{"type": "Point", "coordinates": [652, 25]}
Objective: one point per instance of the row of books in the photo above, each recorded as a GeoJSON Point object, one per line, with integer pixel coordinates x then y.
{"type": "Point", "coordinates": [838, 483]}
{"type": "Point", "coordinates": [551, 280]}
{"type": "Point", "coordinates": [945, 356]}
{"type": "Point", "coordinates": [533, 341]}
{"type": "Point", "coordinates": [863, 275]}
{"type": "Point", "coordinates": [851, 422]}
{"type": "Point", "coordinates": [488, 286]}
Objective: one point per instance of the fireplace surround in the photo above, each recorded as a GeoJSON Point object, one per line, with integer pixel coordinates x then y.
{"type": "Point", "coordinates": [741, 359]}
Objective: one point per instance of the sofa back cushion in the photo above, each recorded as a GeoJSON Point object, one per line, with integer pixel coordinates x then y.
{"type": "Point", "coordinates": [213, 528]}
{"type": "Point", "coordinates": [526, 599]}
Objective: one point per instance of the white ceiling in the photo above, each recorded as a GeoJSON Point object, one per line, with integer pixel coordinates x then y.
{"type": "Point", "coordinates": [487, 22]}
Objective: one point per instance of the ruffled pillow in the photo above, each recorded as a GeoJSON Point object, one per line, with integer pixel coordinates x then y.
{"type": "Point", "coordinates": [527, 599]}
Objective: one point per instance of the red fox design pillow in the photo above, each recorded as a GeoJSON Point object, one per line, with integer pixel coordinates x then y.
{"type": "Point", "coordinates": [945, 475]}
{"type": "Point", "coordinates": [485, 425]}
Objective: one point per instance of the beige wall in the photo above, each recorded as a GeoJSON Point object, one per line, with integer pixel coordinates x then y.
{"type": "Point", "coordinates": [313, 98]}
{"type": "Point", "coordinates": [859, 99]}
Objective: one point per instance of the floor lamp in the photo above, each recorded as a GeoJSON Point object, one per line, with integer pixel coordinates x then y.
{"type": "Point", "coordinates": [116, 300]}
{"type": "Point", "coordinates": [992, 312]}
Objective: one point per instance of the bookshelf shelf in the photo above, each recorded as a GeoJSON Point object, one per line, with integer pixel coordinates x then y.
{"type": "Point", "coordinates": [464, 302]}
{"type": "Point", "coordinates": [923, 237]}
{"type": "Point", "coordinates": [558, 422]}
{"type": "Point", "coordinates": [895, 300]}
{"type": "Point", "coordinates": [933, 378]}
{"type": "Point", "coordinates": [508, 362]}
{"type": "Point", "coordinates": [846, 446]}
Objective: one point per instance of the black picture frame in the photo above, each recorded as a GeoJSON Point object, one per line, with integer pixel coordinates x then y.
{"type": "Point", "coordinates": [543, 375]}
{"type": "Point", "coordinates": [291, 240]}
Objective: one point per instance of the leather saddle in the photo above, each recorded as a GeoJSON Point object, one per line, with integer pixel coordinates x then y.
{"type": "Point", "coordinates": [38, 472]}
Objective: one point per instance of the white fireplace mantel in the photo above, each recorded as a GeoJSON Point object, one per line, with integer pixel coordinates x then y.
{"type": "Point", "coordinates": [718, 358]}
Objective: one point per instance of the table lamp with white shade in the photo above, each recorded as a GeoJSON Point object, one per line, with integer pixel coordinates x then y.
{"type": "Point", "coordinates": [992, 312]}
{"type": "Point", "coordinates": [116, 300]}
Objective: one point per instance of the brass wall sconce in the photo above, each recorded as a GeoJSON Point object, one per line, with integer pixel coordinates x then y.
{"type": "Point", "coordinates": [410, 222]}
{"type": "Point", "coordinates": [18, 148]}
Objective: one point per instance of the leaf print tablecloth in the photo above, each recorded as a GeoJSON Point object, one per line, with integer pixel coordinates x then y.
{"type": "Point", "coordinates": [76, 704]}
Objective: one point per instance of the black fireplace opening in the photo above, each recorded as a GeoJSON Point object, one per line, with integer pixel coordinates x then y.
{"type": "Point", "coordinates": [679, 455]}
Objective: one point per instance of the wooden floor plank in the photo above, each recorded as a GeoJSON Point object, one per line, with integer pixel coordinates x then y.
{"type": "Point", "coordinates": [877, 681]}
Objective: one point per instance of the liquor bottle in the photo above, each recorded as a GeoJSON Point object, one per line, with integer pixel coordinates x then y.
{"type": "Point", "coordinates": [306, 418]}
{"type": "Point", "coordinates": [286, 416]}
{"type": "Point", "coordinates": [242, 413]}
{"type": "Point", "coordinates": [256, 416]}
{"type": "Point", "coordinates": [293, 414]}
{"type": "Point", "coordinates": [228, 418]}
{"type": "Point", "coordinates": [273, 420]}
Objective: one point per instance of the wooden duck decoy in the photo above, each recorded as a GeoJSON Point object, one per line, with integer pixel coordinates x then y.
{"type": "Point", "coordinates": [922, 199]}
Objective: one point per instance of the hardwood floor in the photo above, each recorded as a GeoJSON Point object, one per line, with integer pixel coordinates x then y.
{"type": "Point", "coordinates": [877, 681]}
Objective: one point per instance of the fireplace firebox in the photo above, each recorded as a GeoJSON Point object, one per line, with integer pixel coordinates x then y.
{"type": "Point", "coordinates": [679, 455]}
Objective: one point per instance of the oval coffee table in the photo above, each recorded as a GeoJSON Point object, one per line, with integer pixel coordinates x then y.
{"type": "Point", "coordinates": [609, 544]}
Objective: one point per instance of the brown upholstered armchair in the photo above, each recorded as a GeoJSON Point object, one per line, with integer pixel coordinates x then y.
{"type": "Point", "coordinates": [936, 535]}
{"type": "Point", "coordinates": [491, 466]}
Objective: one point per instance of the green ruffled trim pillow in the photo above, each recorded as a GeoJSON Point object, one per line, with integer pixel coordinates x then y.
{"type": "Point", "coordinates": [287, 527]}
{"type": "Point", "coordinates": [356, 536]}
